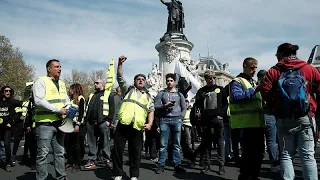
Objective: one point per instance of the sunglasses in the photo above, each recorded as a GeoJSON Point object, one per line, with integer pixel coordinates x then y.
{"type": "Point", "coordinates": [7, 90]}
{"type": "Point", "coordinates": [96, 83]}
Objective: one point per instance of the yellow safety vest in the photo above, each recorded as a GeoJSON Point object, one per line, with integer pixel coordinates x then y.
{"type": "Point", "coordinates": [18, 109]}
{"type": "Point", "coordinates": [133, 110]}
{"type": "Point", "coordinates": [75, 119]}
{"type": "Point", "coordinates": [186, 119]}
{"type": "Point", "coordinates": [54, 97]}
{"type": "Point", "coordinates": [24, 108]}
{"type": "Point", "coordinates": [105, 99]}
{"type": "Point", "coordinates": [25, 105]}
{"type": "Point", "coordinates": [228, 110]}
{"type": "Point", "coordinates": [246, 114]}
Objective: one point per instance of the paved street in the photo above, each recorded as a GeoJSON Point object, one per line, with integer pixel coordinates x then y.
{"type": "Point", "coordinates": [146, 172]}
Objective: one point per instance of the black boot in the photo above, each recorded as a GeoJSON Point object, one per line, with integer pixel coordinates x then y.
{"type": "Point", "coordinates": [205, 169]}
{"type": "Point", "coordinates": [25, 160]}
{"type": "Point", "coordinates": [13, 160]}
{"type": "Point", "coordinates": [221, 171]}
{"type": "Point", "coordinates": [179, 169]}
{"type": "Point", "coordinates": [160, 169]}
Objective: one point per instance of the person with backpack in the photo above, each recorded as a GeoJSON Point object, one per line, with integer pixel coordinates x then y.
{"type": "Point", "coordinates": [137, 106]}
{"type": "Point", "coordinates": [246, 113]}
{"type": "Point", "coordinates": [288, 89]}
{"type": "Point", "coordinates": [172, 106]}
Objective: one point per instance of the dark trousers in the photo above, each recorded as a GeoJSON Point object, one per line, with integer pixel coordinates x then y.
{"type": "Point", "coordinates": [99, 149]}
{"type": "Point", "coordinates": [252, 153]}
{"type": "Point", "coordinates": [73, 149]}
{"type": "Point", "coordinates": [152, 144]}
{"type": "Point", "coordinates": [217, 136]}
{"type": "Point", "coordinates": [186, 142]}
{"type": "Point", "coordinates": [235, 140]}
{"type": "Point", "coordinates": [31, 146]}
{"type": "Point", "coordinates": [17, 131]}
{"type": "Point", "coordinates": [5, 135]}
{"type": "Point", "coordinates": [193, 136]}
{"type": "Point", "coordinates": [123, 134]}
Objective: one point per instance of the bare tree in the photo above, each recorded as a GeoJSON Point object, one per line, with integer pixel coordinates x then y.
{"type": "Point", "coordinates": [16, 72]}
{"type": "Point", "coordinates": [85, 79]}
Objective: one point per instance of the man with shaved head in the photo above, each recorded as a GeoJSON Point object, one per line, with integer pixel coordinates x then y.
{"type": "Point", "coordinates": [98, 121]}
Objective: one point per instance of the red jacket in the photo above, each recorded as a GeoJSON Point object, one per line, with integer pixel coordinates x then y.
{"type": "Point", "coordinates": [310, 73]}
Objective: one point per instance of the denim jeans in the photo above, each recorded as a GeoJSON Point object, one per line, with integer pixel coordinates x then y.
{"type": "Point", "coordinates": [50, 136]}
{"type": "Point", "coordinates": [227, 140]}
{"type": "Point", "coordinates": [296, 134]}
{"type": "Point", "coordinates": [271, 137]}
{"type": "Point", "coordinates": [167, 127]}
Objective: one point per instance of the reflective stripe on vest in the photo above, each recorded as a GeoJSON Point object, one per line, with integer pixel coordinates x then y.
{"type": "Point", "coordinates": [186, 119]}
{"type": "Point", "coordinates": [18, 110]}
{"type": "Point", "coordinates": [25, 105]}
{"type": "Point", "coordinates": [86, 108]}
{"type": "Point", "coordinates": [248, 113]}
{"type": "Point", "coordinates": [105, 99]}
{"type": "Point", "coordinates": [75, 119]}
{"type": "Point", "coordinates": [54, 97]}
{"type": "Point", "coordinates": [228, 110]}
{"type": "Point", "coordinates": [133, 110]}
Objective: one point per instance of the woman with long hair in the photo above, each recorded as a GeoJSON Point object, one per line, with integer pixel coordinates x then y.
{"type": "Point", "coordinates": [6, 122]}
{"type": "Point", "coordinates": [75, 141]}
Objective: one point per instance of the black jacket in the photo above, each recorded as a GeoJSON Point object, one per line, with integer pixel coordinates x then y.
{"type": "Point", "coordinates": [95, 109]}
{"type": "Point", "coordinates": [222, 102]}
{"type": "Point", "coordinates": [7, 111]}
{"type": "Point", "coordinates": [29, 121]}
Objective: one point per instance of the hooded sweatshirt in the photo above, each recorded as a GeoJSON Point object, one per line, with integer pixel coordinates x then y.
{"type": "Point", "coordinates": [269, 87]}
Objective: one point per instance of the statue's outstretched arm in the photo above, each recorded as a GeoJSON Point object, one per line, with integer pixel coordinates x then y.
{"type": "Point", "coordinates": [163, 2]}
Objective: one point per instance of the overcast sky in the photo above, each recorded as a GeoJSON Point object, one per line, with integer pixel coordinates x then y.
{"type": "Point", "coordinates": [86, 34]}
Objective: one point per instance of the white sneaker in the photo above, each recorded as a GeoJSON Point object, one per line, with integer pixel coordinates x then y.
{"type": "Point", "coordinates": [134, 178]}
{"type": "Point", "coordinates": [118, 178]}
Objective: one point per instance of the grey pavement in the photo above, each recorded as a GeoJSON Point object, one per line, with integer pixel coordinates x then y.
{"type": "Point", "coordinates": [147, 172]}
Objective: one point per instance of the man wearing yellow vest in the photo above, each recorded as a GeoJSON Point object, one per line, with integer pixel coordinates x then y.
{"type": "Point", "coordinates": [186, 136]}
{"type": "Point", "coordinates": [98, 122]}
{"type": "Point", "coordinates": [136, 107]}
{"type": "Point", "coordinates": [246, 113]}
{"type": "Point", "coordinates": [29, 125]}
{"type": "Point", "coordinates": [50, 98]}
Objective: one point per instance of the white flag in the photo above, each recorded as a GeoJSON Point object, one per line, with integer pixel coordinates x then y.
{"type": "Point", "coordinates": [183, 72]}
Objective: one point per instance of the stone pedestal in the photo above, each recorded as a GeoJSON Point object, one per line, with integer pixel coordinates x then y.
{"type": "Point", "coordinates": [173, 47]}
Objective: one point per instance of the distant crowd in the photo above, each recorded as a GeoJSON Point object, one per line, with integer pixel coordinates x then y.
{"type": "Point", "coordinates": [276, 114]}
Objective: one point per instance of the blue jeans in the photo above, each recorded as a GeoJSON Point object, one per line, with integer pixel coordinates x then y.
{"type": "Point", "coordinates": [167, 127]}
{"type": "Point", "coordinates": [271, 135]}
{"type": "Point", "coordinates": [49, 136]}
{"type": "Point", "coordinates": [227, 140]}
{"type": "Point", "coordinates": [292, 136]}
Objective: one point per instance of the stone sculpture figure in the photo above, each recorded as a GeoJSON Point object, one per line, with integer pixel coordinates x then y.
{"type": "Point", "coordinates": [154, 77]}
{"type": "Point", "coordinates": [225, 68]}
{"type": "Point", "coordinates": [175, 17]}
